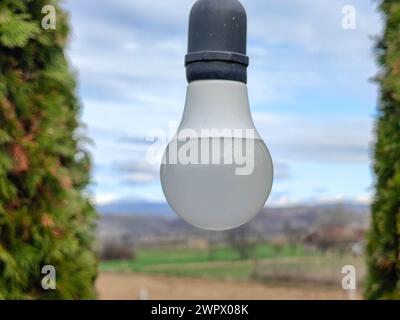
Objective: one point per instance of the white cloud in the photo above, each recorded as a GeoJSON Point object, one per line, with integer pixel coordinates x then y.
{"type": "Point", "coordinates": [130, 53]}
{"type": "Point", "coordinates": [364, 199]}
{"type": "Point", "coordinates": [139, 178]}
{"type": "Point", "coordinates": [103, 198]}
{"type": "Point", "coordinates": [315, 26]}
{"type": "Point", "coordinates": [332, 140]}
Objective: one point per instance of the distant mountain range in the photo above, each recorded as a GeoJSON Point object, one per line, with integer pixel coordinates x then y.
{"type": "Point", "coordinates": [136, 220]}
{"type": "Point", "coordinates": [124, 207]}
{"type": "Point", "coordinates": [136, 207]}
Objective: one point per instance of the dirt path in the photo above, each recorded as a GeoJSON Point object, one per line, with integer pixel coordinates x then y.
{"type": "Point", "coordinates": [131, 286]}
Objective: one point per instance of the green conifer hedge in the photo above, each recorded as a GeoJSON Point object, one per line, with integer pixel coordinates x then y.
{"type": "Point", "coordinates": [45, 218]}
{"type": "Point", "coordinates": [384, 238]}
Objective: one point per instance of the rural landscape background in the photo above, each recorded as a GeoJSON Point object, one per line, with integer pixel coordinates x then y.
{"type": "Point", "coordinates": [284, 253]}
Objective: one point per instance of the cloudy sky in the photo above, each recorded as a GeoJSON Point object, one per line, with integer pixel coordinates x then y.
{"type": "Point", "coordinates": [309, 84]}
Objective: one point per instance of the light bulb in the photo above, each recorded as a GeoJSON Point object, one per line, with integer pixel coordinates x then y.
{"type": "Point", "coordinates": [216, 172]}
{"type": "Point", "coordinates": [216, 195]}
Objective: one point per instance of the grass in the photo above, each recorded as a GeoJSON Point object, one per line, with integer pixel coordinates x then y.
{"type": "Point", "coordinates": [239, 270]}
{"type": "Point", "coordinates": [223, 263]}
{"type": "Point", "coordinates": [288, 265]}
{"type": "Point", "coordinates": [322, 269]}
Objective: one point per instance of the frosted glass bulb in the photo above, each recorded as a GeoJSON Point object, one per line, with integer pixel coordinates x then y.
{"type": "Point", "coordinates": [221, 193]}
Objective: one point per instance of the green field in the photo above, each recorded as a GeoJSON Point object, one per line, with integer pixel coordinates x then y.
{"type": "Point", "coordinates": [222, 263]}
{"type": "Point", "coordinates": [288, 265]}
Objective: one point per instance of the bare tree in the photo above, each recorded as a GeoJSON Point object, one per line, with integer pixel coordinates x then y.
{"type": "Point", "coordinates": [243, 241]}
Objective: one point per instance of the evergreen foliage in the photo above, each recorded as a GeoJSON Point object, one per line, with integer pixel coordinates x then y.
{"type": "Point", "coordinates": [384, 237]}
{"type": "Point", "coordinates": [45, 216]}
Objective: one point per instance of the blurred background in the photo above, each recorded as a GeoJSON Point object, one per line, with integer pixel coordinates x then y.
{"type": "Point", "coordinates": [312, 101]}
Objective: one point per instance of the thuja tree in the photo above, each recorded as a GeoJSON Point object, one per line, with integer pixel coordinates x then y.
{"type": "Point", "coordinates": [45, 218]}
{"type": "Point", "coordinates": [384, 238]}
